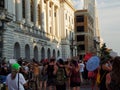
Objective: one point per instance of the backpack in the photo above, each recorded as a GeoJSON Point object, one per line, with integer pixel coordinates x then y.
{"type": "Point", "coordinates": [60, 76]}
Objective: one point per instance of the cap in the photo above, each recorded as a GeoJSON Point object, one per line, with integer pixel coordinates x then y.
{"type": "Point", "coordinates": [15, 66]}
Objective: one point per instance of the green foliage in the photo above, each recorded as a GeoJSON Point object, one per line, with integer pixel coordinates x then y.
{"type": "Point", "coordinates": [104, 52]}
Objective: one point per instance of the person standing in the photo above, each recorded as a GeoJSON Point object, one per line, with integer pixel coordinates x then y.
{"type": "Point", "coordinates": [112, 78]}
{"type": "Point", "coordinates": [36, 73]}
{"type": "Point", "coordinates": [43, 76]}
{"type": "Point", "coordinates": [60, 75]}
{"type": "Point", "coordinates": [15, 80]}
{"type": "Point", "coordinates": [105, 68]}
{"type": "Point", "coordinates": [82, 66]}
{"type": "Point", "coordinates": [75, 76]}
{"type": "Point", "coordinates": [51, 76]}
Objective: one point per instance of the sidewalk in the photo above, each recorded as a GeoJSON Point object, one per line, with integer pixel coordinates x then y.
{"type": "Point", "coordinates": [85, 86]}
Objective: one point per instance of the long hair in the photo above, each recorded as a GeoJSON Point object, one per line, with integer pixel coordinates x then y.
{"type": "Point", "coordinates": [13, 74]}
{"type": "Point", "coordinates": [75, 63]}
{"type": "Point", "coordinates": [116, 70]}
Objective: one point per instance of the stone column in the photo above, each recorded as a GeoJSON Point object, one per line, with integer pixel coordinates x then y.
{"type": "Point", "coordinates": [11, 8]}
{"type": "Point", "coordinates": [27, 11]}
{"type": "Point", "coordinates": [19, 10]}
{"type": "Point", "coordinates": [35, 13]}
{"type": "Point", "coordinates": [42, 15]}
{"type": "Point", "coordinates": [47, 19]}
{"type": "Point", "coordinates": [53, 21]}
{"type": "Point", "coordinates": [57, 26]}
{"type": "Point", "coordinates": [6, 4]}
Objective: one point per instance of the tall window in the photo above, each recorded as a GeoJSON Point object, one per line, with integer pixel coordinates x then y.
{"type": "Point", "coordinates": [23, 8]}
{"type": "Point", "coordinates": [81, 47]}
{"type": "Point", "coordinates": [66, 16]}
{"type": "Point", "coordinates": [80, 37]}
{"type": "Point", "coordinates": [66, 33]}
{"type": "Point", "coordinates": [36, 53]}
{"type": "Point", "coordinates": [32, 9]}
{"type": "Point", "coordinates": [80, 28]}
{"type": "Point", "coordinates": [2, 3]}
{"type": "Point", "coordinates": [27, 51]}
{"type": "Point", "coordinates": [39, 15]}
{"type": "Point", "coordinates": [17, 50]}
{"type": "Point", "coordinates": [80, 18]}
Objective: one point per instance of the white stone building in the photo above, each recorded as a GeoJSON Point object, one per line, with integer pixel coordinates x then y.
{"type": "Point", "coordinates": [36, 28]}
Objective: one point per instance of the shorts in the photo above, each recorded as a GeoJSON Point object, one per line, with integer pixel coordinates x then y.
{"type": "Point", "coordinates": [51, 82]}
{"type": "Point", "coordinates": [44, 78]}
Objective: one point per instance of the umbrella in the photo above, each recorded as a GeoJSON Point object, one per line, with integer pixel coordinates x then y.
{"type": "Point", "coordinates": [92, 63]}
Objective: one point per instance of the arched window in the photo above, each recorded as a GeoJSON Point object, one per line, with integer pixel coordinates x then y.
{"type": "Point", "coordinates": [54, 54]}
{"type": "Point", "coordinates": [35, 53]}
{"type": "Point", "coordinates": [42, 53]}
{"type": "Point", "coordinates": [48, 53]}
{"type": "Point", "coordinates": [58, 53]}
{"type": "Point", "coordinates": [16, 50]}
{"type": "Point", "coordinates": [27, 52]}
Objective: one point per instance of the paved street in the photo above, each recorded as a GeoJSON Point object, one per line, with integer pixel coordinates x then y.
{"type": "Point", "coordinates": [85, 87]}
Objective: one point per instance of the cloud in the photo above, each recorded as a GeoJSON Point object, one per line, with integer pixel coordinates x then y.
{"type": "Point", "coordinates": [109, 23]}
{"type": "Point", "coordinates": [78, 4]}
{"type": "Point", "coordinates": [108, 3]}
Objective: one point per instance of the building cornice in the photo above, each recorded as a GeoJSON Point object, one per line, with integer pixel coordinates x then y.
{"type": "Point", "coordinates": [69, 3]}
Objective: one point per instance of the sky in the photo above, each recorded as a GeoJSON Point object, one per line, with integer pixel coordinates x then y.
{"type": "Point", "coordinates": [109, 21]}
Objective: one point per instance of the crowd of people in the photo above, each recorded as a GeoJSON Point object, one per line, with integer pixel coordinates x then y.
{"type": "Point", "coordinates": [59, 74]}
{"type": "Point", "coordinates": [44, 75]}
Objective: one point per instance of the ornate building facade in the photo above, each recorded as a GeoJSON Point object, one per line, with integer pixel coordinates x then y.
{"type": "Point", "coordinates": [36, 28]}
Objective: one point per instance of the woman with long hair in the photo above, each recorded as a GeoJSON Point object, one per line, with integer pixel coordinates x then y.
{"type": "Point", "coordinates": [75, 76]}
{"type": "Point", "coordinates": [113, 78]}
{"type": "Point", "coordinates": [105, 68]}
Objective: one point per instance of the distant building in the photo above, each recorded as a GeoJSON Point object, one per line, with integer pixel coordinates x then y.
{"type": "Point", "coordinates": [36, 28]}
{"type": "Point", "coordinates": [87, 29]}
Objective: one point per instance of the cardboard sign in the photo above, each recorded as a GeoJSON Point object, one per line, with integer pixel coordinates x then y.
{"type": "Point", "coordinates": [12, 61]}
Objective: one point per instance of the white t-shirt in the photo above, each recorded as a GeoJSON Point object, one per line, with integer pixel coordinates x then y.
{"type": "Point", "coordinates": [13, 84]}
{"type": "Point", "coordinates": [82, 67]}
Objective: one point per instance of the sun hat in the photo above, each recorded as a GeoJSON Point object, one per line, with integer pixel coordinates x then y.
{"type": "Point", "coordinates": [15, 66]}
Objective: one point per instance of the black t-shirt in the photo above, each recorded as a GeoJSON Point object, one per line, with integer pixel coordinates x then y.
{"type": "Point", "coordinates": [50, 70]}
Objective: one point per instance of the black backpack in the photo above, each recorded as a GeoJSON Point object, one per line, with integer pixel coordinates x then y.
{"type": "Point", "coordinates": [60, 76]}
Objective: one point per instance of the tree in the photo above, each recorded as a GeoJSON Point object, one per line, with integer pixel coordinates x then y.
{"type": "Point", "coordinates": [104, 52]}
